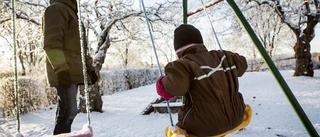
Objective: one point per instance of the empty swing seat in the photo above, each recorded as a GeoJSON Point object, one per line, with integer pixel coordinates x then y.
{"type": "Point", "coordinates": [86, 131]}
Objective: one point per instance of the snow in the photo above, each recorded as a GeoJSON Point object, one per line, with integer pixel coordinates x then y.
{"type": "Point", "coordinates": [272, 112]}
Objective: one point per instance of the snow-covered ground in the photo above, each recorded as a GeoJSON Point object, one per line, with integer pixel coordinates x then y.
{"type": "Point", "coordinates": [272, 114]}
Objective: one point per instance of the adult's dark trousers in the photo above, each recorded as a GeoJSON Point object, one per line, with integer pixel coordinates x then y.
{"type": "Point", "coordinates": [66, 109]}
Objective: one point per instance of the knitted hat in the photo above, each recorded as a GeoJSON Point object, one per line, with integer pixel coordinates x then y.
{"type": "Point", "coordinates": [186, 34]}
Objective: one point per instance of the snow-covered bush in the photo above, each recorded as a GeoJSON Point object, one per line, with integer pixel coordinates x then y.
{"type": "Point", "coordinates": [33, 94]}
{"type": "Point", "coordinates": [124, 79]}
{"type": "Point", "coordinates": [282, 62]}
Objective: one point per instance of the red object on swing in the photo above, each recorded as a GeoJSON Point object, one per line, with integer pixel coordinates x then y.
{"type": "Point", "coordinates": [86, 131]}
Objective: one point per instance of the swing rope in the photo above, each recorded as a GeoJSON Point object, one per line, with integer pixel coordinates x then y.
{"type": "Point", "coordinates": [83, 54]}
{"type": "Point", "coordinates": [15, 65]}
{"type": "Point", "coordinates": [212, 28]}
{"type": "Point", "coordinates": [155, 51]}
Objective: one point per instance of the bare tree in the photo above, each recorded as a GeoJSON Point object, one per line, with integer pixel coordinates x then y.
{"type": "Point", "coordinates": [302, 19]}
{"type": "Point", "coordinates": [101, 17]}
{"type": "Point", "coordinates": [128, 43]}
{"type": "Point", "coordinates": [28, 33]}
{"type": "Point", "coordinates": [268, 27]}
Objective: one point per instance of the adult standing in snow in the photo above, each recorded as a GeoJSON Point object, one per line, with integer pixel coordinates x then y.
{"type": "Point", "coordinates": [209, 82]}
{"type": "Point", "coordinates": [63, 59]}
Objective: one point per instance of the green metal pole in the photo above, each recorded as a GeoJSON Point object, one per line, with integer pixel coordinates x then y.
{"type": "Point", "coordinates": [185, 11]}
{"type": "Point", "coordinates": [285, 88]}
{"type": "Point", "coordinates": [185, 21]}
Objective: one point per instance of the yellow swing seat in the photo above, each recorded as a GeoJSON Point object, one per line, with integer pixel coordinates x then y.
{"type": "Point", "coordinates": [178, 132]}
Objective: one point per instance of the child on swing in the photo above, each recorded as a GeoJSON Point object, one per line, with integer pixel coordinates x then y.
{"type": "Point", "coordinates": [209, 82]}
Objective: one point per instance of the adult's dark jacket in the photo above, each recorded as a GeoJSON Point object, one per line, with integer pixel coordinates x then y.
{"type": "Point", "coordinates": [62, 41]}
{"type": "Point", "coordinates": [209, 82]}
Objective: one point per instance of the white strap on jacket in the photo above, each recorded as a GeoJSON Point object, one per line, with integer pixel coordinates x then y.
{"type": "Point", "coordinates": [186, 46]}
{"type": "Point", "coordinates": [213, 70]}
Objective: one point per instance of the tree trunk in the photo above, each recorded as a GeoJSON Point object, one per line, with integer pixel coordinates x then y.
{"type": "Point", "coordinates": [94, 90]}
{"type": "Point", "coordinates": [23, 69]}
{"type": "Point", "coordinates": [95, 100]}
{"type": "Point", "coordinates": [304, 65]}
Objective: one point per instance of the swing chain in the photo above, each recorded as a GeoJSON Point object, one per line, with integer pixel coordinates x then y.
{"type": "Point", "coordinates": [212, 28]}
{"type": "Point", "coordinates": [83, 58]}
{"type": "Point", "coordinates": [155, 51]}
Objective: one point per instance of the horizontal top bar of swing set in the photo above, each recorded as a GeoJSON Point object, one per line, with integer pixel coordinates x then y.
{"type": "Point", "coordinates": [202, 8]}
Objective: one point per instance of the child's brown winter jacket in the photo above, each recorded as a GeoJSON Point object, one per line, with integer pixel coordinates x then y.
{"type": "Point", "coordinates": [209, 82]}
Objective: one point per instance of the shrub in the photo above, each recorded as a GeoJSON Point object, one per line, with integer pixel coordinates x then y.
{"type": "Point", "coordinates": [124, 79]}
{"type": "Point", "coordinates": [33, 94]}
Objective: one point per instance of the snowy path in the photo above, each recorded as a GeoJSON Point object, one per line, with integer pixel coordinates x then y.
{"type": "Point", "coordinates": [273, 115]}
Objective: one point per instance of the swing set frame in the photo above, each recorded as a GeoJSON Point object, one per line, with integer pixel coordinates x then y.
{"type": "Point", "coordinates": [267, 59]}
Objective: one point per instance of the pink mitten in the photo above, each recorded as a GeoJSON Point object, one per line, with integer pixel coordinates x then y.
{"type": "Point", "coordinates": [161, 91]}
